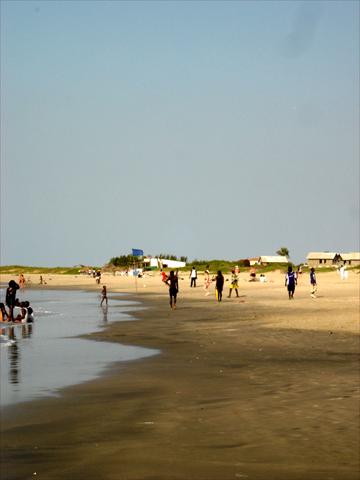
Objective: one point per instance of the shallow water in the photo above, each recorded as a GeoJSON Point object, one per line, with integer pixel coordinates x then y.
{"type": "Point", "coordinates": [40, 358]}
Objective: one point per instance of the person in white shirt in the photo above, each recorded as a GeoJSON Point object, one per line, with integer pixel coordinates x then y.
{"type": "Point", "coordinates": [193, 277]}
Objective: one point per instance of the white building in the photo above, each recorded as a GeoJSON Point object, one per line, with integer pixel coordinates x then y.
{"type": "Point", "coordinates": [269, 259]}
{"type": "Point", "coordinates": [163, 263]}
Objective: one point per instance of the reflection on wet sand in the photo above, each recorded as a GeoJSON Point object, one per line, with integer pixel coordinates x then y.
{"type": "Point", "coordinates": [14, 351]}
{"type": "Point", "coordinates": [105, 314]}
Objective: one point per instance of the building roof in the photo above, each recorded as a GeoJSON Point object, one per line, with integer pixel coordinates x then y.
{"type": "Point", "coordinates": [321, 255]}
{"type": "Point", "coordinates": [273, 259]}
{"type": "Point", "coordinates": [350, 256]}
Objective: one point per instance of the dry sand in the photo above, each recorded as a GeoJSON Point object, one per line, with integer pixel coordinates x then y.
{"type": "Point", "coordinates": [257, 387]}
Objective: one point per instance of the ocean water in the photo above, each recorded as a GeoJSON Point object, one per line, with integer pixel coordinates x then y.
{"type": "Point", "coordinates": [39, 359]}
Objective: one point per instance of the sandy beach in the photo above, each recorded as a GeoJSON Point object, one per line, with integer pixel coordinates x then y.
{"type": "Point", "coordinates": [256, 387]}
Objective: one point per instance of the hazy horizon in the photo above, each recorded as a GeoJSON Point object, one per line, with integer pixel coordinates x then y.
{"type": "Point", "coordinates": [202, 129]}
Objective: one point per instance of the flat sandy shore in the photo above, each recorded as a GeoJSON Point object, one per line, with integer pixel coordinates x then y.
{"type": "Point", "coordinates": [257, 387]}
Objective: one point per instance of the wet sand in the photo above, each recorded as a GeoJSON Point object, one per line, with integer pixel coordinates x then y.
{"type": "Point", "coordinates": [258, 387]}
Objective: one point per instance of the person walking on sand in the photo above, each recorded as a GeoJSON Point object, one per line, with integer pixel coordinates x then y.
{"type": "Point", "coordinates": [193, 276]}
{"type": "Point", "coordinates": [290, 282]}
{"type": "Point", "coordinates": [343, 272]}
{"type": "Point", "coordinates": [313, 282]}
{"type": "Point", "coordinates": [207, 280]}
{"type": "Point", "coordinates": [21, 280]}
{"type": "Point", "coordinates": [219, 285]}
{"type": "Point", "coordinates": [104, 295]}
{"type": "Point", "coordinates": [234, 283]}
{"type": "Point", "coordinates": [173, 283]}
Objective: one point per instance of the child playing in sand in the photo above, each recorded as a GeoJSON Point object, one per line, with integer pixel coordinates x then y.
{"type": "Point", "coordinates": [313, 282]}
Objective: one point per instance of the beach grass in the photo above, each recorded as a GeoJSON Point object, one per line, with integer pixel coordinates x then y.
{"type": "Point", "coordinates": [17, 269]}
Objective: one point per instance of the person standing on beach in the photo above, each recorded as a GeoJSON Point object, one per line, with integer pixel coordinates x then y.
{"type": "Point", "coordinates": [219, 285]}
{"type": "Point", "coordinates": [10, 298]}
{"type": "Point", "coordinates": [193, 276]}
{"type": "Point", "coordinates": [290, 282]}
{"type": "Point", "coordinates": [104, 295]}
{"type": "Point", "coordinates": [234, 284]}
{"type": "Point", "coordinates": [207, 280]}
{"type": "Point", "coordinates": [313, 282]}
{"type": "Point", "coordinates": [173, 283]}
{"type": "Point", "coordinates": [21, 280]}
{"type": "Point", "coordinates": [343, 272]}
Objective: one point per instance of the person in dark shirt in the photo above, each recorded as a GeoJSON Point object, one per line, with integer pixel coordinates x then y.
{"type": "Point", "coordinates": [11, 297]}
{"type": "Point", "coordinates": [313, 283]}
{"type": "Point", "coordinates": [104, 295]}
{"type": "Point", "coordinates": [290, 282]}
{"type": "Point", "coordinates": [173, 283]}
{"type": "Point", "coordinates": [219, 285]}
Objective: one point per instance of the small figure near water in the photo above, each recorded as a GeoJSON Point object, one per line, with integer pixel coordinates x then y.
{"type": "Point", "coordinates": [290, 282]}
{"type": "Point", "coordinates": [11, 297]}
{"type": "Point", "coordinates": [173, 283]}
{"type": "Point", "coordinates": [20, 312]}
{"type": "Point", "coordinates": [104, 295]}
{"type": "Point", "coordinates": [21, 280]}
{"type": "Point", "coordinates": [3, 313]}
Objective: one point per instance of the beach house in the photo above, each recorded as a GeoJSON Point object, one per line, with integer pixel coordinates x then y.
{"type": "Point", "coordinates": [154, 263]}
{"type": "Point", "coordinates": [323, 259]}
{"type": "Point", "coordinates": [351, 259]}
{"type": "Point", "coordinates": [253, 261]}
{"type": "Point", "coordinates": [271, 259]}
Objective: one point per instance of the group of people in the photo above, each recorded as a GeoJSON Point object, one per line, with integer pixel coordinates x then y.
{"type": "Point", "coordinates": [95, 274]}
{"type": "Point", "coordinates": [291, 280]}
{"type": "Point", "coordinates": [172, 281]}
{"type": "Point", "coordinates": [14, 310]}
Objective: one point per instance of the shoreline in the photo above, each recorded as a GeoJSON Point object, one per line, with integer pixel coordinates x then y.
{"type": "Point", "coordinates": [238, 390]}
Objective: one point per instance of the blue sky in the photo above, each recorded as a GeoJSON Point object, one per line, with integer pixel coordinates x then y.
{"type": "Point", "coordinates": [205, 129]}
